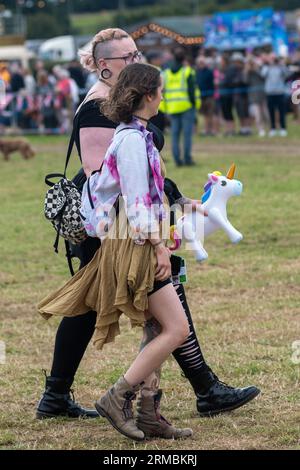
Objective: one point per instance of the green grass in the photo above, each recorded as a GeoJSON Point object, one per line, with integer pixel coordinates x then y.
{"type": "Point", "coordinates": [244, 301]}
{"type": "Point", "coordinates": [90, 23]}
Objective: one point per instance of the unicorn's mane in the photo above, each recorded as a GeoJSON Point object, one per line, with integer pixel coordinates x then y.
{"type": "Point", "coordinates": [207, 188]}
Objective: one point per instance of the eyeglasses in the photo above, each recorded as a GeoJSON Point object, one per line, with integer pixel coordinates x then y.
{"type": "Point", "coordinates": [129, 58]}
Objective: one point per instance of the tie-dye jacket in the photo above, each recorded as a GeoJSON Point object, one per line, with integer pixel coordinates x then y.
{"type": "Point", "coordinates": [131, 168]}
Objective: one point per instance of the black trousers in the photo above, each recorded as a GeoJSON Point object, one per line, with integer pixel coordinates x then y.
{"type": "Point", "coordinates": [276, 102]}
{"type": "Point", "coordinates": [74, 333]}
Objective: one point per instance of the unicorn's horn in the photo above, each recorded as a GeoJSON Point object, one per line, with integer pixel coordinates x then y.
{"type": "Point", "coordinates": [231, 172]}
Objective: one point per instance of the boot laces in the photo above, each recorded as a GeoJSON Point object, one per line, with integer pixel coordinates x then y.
{"type": "Point", "coordinates": [215, 377]}
{"type": "Point", "coordinates": [219, 383]}
{"type": "Point", "coordinates": [127, 407]}
{"type": "Point", "coordinates": [222, 385]}
{"type": "Point", "coordinates": [72, 398]}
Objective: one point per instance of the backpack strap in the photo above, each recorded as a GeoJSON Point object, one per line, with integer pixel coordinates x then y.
{"type": "Point", "coordinates": [52, 175]}
{"type": "Point", "coordinates": [69, 257]}
{"type": "Point", "coordinates": [69, 152]}
{"type": "Point", "coordinates": [74, 131]}
{"type": "Point", "coordinates": [71, 143]}
{"type": "Point", "coordinates": [125, 129]}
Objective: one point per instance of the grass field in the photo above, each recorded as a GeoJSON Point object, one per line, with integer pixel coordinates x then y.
{"type": "Point", "coordinates": [90, 23]}
{"type": "Point", "coordinates": [245, 302]}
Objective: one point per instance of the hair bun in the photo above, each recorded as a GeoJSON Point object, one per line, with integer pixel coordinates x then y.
{"type": "Point", "coordinates": [87, 60]}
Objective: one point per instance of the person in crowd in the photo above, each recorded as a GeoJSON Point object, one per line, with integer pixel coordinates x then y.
{"type": "Point", "coordinates": [182, 99]}
{"type": "Point", "coordinates": [49, 103]}
{"type": "Point", "coordinates": [17, 82]}
{"type": "Point", "coordinates": [5, 74]}
{"type": "Point", "coordinates": [30, 83]}
{"type": "Point", "coordinates": [39, 66]}
{"type": "Point", "coordinates": [205, 82]}
{"type": "Point", "coordinates": [156, 59]}
{"type": "Point", "coordinates": [44, 86]}
{"type": "Point", "coordinates": [68, 95]}
{"type": "Point", "coordinates": [226, 96]}
{"type": "Point", "coordinates": [79, 77]}
{"type": "Point", "coordinates": [257, 97]}
{"type": "Point", "coordinates": [293, 83]}
{"type": "Point", "coordinates": [217, 117]}
{"type": "Point", "coordinates": [239, 86]}
{"type": "Point", "coordinates": [275, 74]}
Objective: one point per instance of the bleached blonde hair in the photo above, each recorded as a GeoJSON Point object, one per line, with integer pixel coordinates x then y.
{"type": "Point", "coordinates": [100, 47]}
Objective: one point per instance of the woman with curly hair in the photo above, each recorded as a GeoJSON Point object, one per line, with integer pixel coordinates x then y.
{"type": "Point", "coordinates": [129, 275]}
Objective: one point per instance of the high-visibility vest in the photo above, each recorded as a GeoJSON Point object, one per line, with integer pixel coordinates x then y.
{"type": "Point", "coordinates": [176, 97]}
{"type": "Point", "coordinates": [162, 105]}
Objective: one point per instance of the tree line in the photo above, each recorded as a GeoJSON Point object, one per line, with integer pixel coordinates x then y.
{"type": "Point", "coordinates": [48, 18]}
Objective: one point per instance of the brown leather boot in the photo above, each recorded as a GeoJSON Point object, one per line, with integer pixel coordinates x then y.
{"type": "Point", "coordinates": [153, 424]}
{"type": "Point", "coordinates": [116, 406]}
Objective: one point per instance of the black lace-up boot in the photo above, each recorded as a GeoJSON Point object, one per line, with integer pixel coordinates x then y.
{"type": "Point", "coordinates": [58, 400]}
{"type": "Point", "coordinates": [214, 396]}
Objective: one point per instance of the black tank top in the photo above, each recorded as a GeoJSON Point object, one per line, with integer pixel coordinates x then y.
{"type": "Point", "coordinates": [90, 116]}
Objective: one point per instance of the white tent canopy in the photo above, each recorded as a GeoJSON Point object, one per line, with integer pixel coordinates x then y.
{"type": "Point", "coordinates": [15, 53]}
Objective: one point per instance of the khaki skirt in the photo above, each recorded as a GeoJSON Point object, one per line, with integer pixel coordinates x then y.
{"type": "Point", "coordinates": [117, 280]}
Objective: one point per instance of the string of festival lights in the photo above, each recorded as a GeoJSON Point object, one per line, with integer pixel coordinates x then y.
{"type": "Point", "coordinates": [137, 34]}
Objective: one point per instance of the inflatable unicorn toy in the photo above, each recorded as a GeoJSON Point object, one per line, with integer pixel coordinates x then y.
{"type": "Point", "coordinates": [194, 227]}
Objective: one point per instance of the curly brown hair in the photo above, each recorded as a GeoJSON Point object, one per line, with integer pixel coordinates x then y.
{"type": "Point", "coordinates": [125, 97]}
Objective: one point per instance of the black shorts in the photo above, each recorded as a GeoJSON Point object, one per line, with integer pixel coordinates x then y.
{"type": "Point", "coordinates": [159, 285]}
{"type": "Point", "coordinates": [175, 264]}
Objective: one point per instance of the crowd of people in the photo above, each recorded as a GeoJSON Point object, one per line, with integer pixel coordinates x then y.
{"type": "Point", "coordinates": [235, 94]}
{"type": "Point", "coordinates": [256, 89]}
{"type": "Point", "coordinates": [41, 100]}
{"type": "Point", "coordinates": [241, 94]}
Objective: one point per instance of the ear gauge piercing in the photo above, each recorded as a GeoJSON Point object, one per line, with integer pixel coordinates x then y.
{"type": "Point", "coordinates": [106, 74]}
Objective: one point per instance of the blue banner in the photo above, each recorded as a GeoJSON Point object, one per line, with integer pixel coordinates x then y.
{"type": "Point", "coordinates": [246, 29]}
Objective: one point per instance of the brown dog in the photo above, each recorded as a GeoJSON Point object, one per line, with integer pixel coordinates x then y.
{"type": "Point", "coordinates": [9, 146]}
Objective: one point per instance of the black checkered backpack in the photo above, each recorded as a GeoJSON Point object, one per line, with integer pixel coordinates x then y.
{"type": "Point", "coordinates": [62, 204]}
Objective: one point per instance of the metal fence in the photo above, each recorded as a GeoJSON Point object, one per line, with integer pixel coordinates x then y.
{"type": "Point", "coordinates": [40, 113]}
